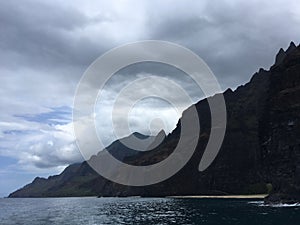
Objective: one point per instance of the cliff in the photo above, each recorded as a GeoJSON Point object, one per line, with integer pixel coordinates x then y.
{"type": "Point", "coordinates": [260, 151]}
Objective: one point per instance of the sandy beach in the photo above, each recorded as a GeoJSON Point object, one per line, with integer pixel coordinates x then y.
{"type": "Point", "coordinates": [262, 196]}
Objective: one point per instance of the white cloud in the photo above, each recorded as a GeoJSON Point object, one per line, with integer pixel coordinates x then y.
{"type": "Point", "coordinates": [42, 146]}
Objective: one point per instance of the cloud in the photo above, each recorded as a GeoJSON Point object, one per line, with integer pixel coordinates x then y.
{"type": "Point", "coordinates": [59, 115]}
{"type": "Point", "coordinates": [42, 35]}
{"type": "Point", "coordinates": [42, 143]}
{"type": "Point", "coordinates": [227, 32]}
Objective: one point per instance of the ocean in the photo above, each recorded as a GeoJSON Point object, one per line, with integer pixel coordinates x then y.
{"type": "Point", "coordinates": [92, 210]}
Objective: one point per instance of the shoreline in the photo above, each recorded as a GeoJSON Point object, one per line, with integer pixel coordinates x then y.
{"type": "Point", "coordinates": [257, 196]}
{"type": "Point", "coordinates": [260, 196]}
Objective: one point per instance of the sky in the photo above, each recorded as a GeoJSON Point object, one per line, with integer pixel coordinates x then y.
{"type": "Point", "coordinates": [45, 47]}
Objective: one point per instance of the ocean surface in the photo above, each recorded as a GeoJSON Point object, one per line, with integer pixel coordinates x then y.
{"type": "Point", "coordinates": [144, 211]}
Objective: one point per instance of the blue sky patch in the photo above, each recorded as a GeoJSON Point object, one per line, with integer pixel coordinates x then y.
{"type": "Point", "coordinates": [57, 116]}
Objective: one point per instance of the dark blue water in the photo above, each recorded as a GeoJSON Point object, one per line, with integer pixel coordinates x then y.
{"type": "Point", "coordinates": [143, 211]}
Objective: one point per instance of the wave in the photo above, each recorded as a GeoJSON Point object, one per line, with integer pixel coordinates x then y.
{"type": "Point", "coordinates": [279, 205]}
{"type": "Point", "coordinates": [283, 205]}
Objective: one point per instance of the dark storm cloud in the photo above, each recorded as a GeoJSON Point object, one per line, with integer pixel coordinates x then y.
{"type": "Point", "coordinates": [235, 38]}
{"type": "Point", "coordinates": [179, 28]}
{"type": "Point", "coordinates": [36, 33]}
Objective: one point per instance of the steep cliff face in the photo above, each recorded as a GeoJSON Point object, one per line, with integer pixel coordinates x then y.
{"type": "Point", "coordinates": [280, 128]}
{"type": "Point", "coordinates": [261, 145]}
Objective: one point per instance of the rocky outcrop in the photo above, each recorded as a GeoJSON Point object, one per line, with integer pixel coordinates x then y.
{"type": "Point", "coordinates": [280, 129]}
{"type": "Point", "coordinates": [260, 151]}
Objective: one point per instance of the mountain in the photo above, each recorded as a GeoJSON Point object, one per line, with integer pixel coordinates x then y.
{"type": "Point", "coordinates": [260, 152]}
{"type": "Point", "coordinates": [74, 179]}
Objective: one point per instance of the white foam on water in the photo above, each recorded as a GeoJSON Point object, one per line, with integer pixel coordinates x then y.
{"type": "Point", "coordinates": [279, 205]}
{"type": "Point", "coordinates": [285, 205]}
